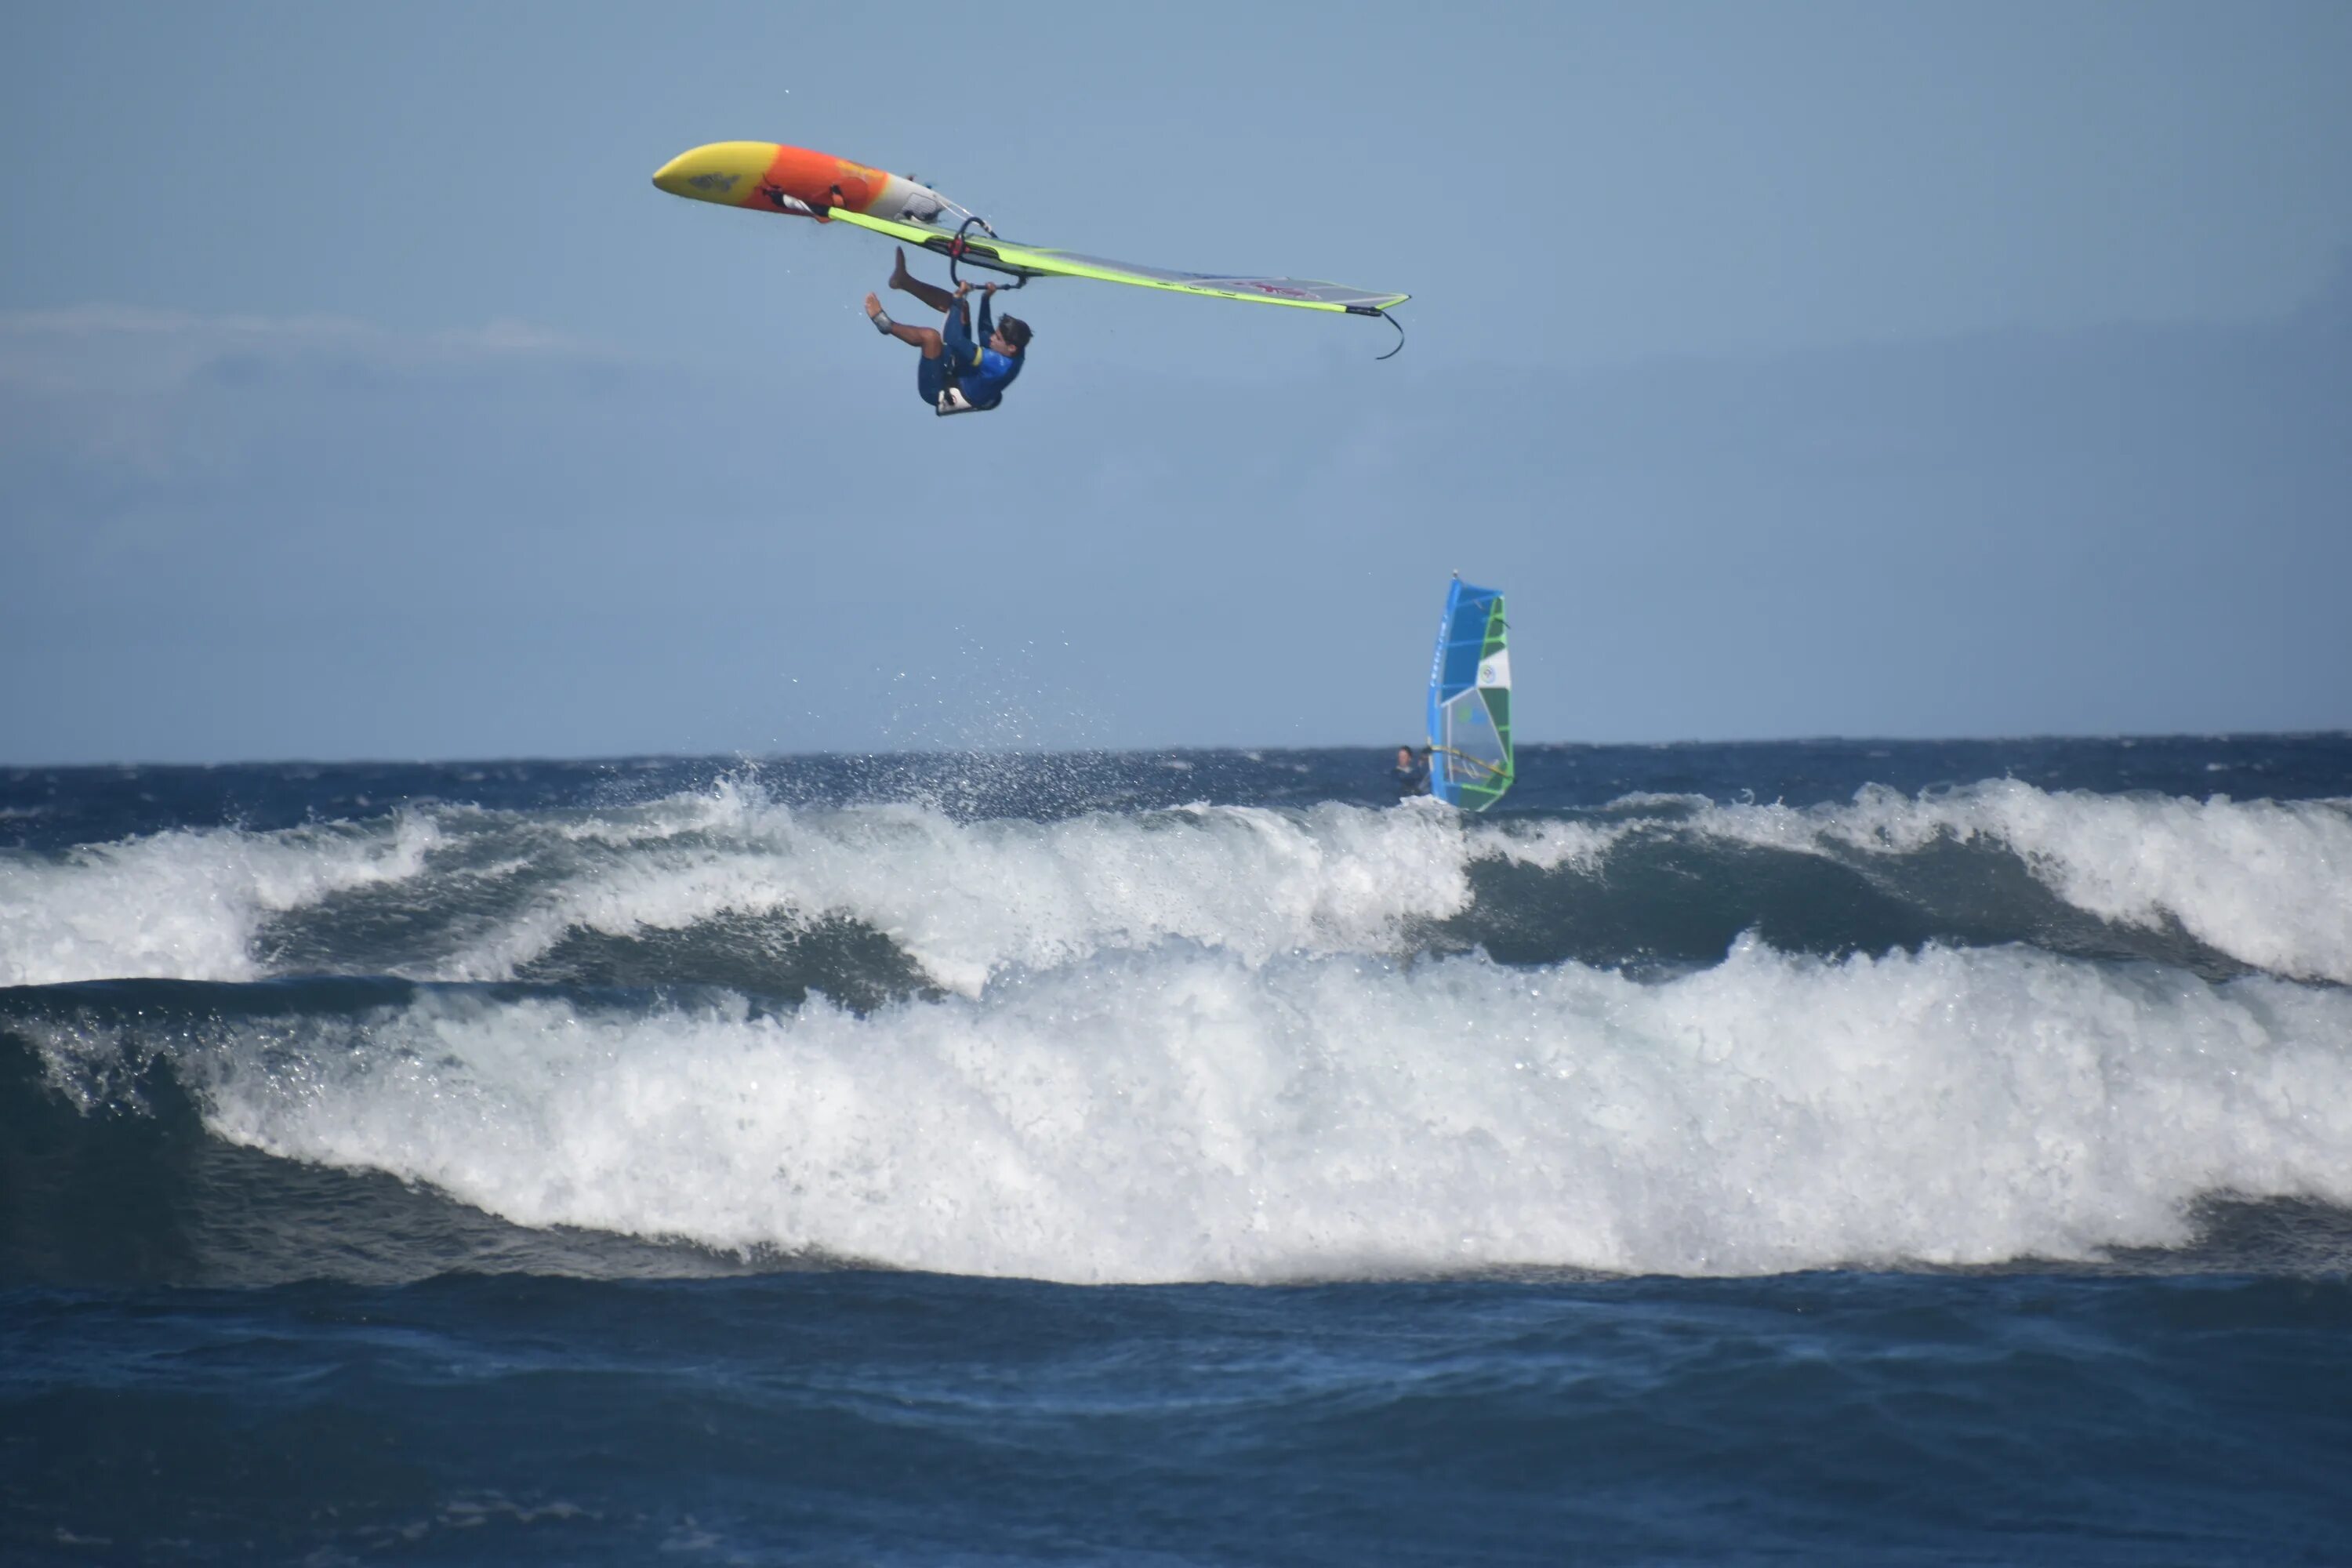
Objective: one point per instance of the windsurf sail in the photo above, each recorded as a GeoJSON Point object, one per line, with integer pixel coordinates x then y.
{"type": "Point", "coordinates": [1027, 261]}
{"type": "Point", "coordinates": [765, 175]}
{"type": "Point", "coordinates": [1470, 701]}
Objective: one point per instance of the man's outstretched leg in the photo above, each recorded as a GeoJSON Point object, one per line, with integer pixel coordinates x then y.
{"type": "Point", "coordinates": [938, 299]}
{"type": "Point", "coordinates": [924, 337]}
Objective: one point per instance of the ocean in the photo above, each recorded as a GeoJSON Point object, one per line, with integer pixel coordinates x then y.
{"type": "Point", "coordinates": [1887, 1153]}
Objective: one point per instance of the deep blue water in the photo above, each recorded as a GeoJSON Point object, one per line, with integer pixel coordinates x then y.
{"type": "Point", "coordinates": [1826, 1151]}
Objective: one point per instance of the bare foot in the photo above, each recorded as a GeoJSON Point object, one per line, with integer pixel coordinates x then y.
{"type": "Point", "coordinates": [873, 307]}
{"type": "Point", "coordinates": [898, 273]}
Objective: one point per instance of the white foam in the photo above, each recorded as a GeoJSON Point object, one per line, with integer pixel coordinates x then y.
{"type": "Point", "coordinates": [2267, 882]}
{"type": "Point", "coordinates": [967, 900]}
{"type": "Point", "coordinates": [1183, 1114]}
{"type": "Point", "coordinates": [1553, 843]}
{"type": "Point", "coordinates": [185, 904]}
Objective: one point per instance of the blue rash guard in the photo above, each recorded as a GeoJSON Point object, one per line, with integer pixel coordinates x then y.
{"type": "Point", "coordinates": [981, 371]}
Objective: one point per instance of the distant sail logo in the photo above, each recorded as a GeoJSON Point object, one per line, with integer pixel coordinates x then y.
{"type": "Point", "coordinates": [1487, 673]}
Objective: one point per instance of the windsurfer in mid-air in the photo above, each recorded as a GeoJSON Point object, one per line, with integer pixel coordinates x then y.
{"type": "Point", "coordinates": [959, 373]}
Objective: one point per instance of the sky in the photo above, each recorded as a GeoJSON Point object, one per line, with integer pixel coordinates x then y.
{"type": "Point", "coordinates": [1930, 370]}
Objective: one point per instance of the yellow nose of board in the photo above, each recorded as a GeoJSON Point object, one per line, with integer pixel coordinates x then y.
{"type": "Point", "coordinates": [723, 172]}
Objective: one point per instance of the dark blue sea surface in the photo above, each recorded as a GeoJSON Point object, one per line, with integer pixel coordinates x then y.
{"type": "Point", "coordinates": [1825, 1152]}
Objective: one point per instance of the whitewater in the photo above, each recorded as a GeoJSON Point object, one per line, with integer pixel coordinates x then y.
{"type": "Point", "coordinates": [1215, 1040]}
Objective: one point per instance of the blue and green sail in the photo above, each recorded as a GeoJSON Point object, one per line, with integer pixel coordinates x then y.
{"type": "Point", "coordinates": [1470, 701]}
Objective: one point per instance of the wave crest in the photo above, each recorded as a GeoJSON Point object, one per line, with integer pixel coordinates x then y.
{"type": "Point", "coordinates": [1181, 1114]}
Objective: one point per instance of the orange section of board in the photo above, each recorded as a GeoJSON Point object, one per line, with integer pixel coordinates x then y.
{"type": "Point", "coordinates": [810, 177]}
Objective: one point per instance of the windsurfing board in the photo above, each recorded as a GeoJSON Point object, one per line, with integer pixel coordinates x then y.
{"type": "Point", "coordinates": [753, 174]}
{"type": "Point", "coordinates": [766, 177]}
